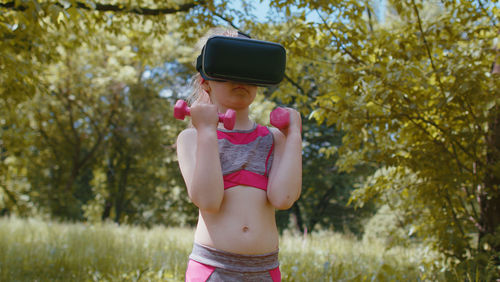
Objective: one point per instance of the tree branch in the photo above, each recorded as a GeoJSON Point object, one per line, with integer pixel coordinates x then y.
{"type": "Point", "coordinates": [65, 95]}
{"type": "Point", "coordinates": [453, 212]}
{"type": "Point", "coordinates": [52, 145]}
{"type": "Point", "coordinates": [450, 138]}
{"type": "Point", "coordinates": [491, 17]}
{"type": "Point", "coordinates": [431, 123]}
{"type": "Point", "coordinates": [10, 195]}
{"type": "Point", "coordinates": [428, 49]}
{"type": "Point", "coordinates": [368, 10]}
{"type": "Point", "coordinates": [113, 8]}
{"type": "Point", "coordinates": [226, 20]}
{"type": "Point", "coordinates": [296, 84]}
{"type": "Point", "coordinates": [60, 125]}
{"type": "Point", "coordinates": [349, 53]}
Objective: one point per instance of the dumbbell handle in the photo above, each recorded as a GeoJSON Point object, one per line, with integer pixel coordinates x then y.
{"type": "Point", "coordinates": [181, 110]}
{"type": "Point", "coordinates": [187, 112]}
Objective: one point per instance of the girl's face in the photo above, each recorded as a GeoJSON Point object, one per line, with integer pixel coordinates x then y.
{"type": "Point", "coordinates": [230, 95]}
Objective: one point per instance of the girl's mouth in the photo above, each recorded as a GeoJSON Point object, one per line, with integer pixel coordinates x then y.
{"type": "Point", "coordinates": [240, 88]}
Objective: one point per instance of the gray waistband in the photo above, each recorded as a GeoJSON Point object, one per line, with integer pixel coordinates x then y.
{"type": "Point", "coordinates": [232, 261]}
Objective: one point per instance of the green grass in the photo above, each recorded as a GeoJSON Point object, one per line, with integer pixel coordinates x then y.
{"type": "Point", "coordinates": [37, 250]}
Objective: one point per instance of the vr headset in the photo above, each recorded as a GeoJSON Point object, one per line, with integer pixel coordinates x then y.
{"type": "Point", "coordinates": [245, 60]}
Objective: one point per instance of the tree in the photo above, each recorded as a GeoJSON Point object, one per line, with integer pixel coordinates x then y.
{"type": "Point", "coordinates": [71, 114]}
{"type": "Point", "coordinates": [24, 25]}
{"type": "Point", "coordinates": [414, 96]}
{"type": "Point", "coordinates": [325, 189]}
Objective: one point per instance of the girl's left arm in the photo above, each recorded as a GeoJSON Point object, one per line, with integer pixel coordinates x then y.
{"type": "Point", "coordinates": [285, 180]}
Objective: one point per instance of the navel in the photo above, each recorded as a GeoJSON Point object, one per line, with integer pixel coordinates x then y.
{"type": "Point", "coordinates": [245, 229]}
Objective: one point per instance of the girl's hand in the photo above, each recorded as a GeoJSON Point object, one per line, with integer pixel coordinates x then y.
{"type": "Point", "coordinates": [204, 116]}
{"type": "Point", "coordinates": [295, 125]}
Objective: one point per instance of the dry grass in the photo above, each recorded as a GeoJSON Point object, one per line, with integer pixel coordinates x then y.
{"type": "Point", "coordinates": [37, 250]}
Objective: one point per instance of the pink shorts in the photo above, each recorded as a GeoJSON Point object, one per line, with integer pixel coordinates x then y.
{"type": "Point", "coordinates": [208, 264]}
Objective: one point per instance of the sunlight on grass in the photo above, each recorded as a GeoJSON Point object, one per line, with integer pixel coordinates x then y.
{"type": "Point", "coordinates": [328, 256]}
{"type": "Point", "coordinates": [37, 250]}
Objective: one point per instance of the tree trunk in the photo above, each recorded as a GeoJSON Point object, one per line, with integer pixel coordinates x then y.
{"type": "Point", "coordinates": [110, 178]}
{"type": "Point", "coordinates": [107, 210]}
{"type": "Point", "coordinates": [490, 196]}
{"type": "Point", "coordinates": [122, 190]}
{"type": "Point", "coordinates": [298, 217]}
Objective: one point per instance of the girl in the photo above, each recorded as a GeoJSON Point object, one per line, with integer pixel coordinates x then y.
{"type": "Point", "coordinates": [237, 179]}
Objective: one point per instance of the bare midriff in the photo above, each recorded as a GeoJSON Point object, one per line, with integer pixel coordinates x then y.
{"type": "Point", "coordinates": [244, 224]}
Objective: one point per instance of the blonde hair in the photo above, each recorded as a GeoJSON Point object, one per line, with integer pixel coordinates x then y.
{"type": "Point", "coordinates": [196, 93]}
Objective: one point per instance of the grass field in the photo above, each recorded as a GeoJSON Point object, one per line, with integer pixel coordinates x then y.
{"type": "Point", "coordinates": [37, 250]}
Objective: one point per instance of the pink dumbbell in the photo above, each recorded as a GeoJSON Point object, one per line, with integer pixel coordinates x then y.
{"type": "Point", "coordinates": [181, 110]}
{"type": "Point", "coordinates": [280, 118]}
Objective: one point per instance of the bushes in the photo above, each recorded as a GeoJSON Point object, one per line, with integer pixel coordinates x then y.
{"type": "Point", "coordinates": [386, 228]}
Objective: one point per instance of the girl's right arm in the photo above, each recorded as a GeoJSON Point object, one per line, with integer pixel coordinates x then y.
{"type": "Point", "coordinates": [198, 156]}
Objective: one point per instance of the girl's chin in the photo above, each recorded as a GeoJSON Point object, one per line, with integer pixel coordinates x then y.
{"type": "Point", "coordinates": [237, 106]}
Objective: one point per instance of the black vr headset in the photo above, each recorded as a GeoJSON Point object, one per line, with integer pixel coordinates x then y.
{"type": "Point", "coordinates": [245, 60]}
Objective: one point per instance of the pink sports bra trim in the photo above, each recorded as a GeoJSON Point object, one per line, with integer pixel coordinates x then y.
{"type": "Point", "coordinates": [243, 136]}
{"type": "Point", "coordinates": [245, 177]}
{"type": "Point", "coordinates": [271, 152]}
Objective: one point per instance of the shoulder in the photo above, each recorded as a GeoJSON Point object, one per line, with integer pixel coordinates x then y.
{"type": "Point", "coordinates": [186, 138]}
{"type": "Point", "coordinates": [278, 136]}
{"type": "Point", "coordinates": [264, 130]}
{"type": "Point", "coordinates": [186, 133]}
